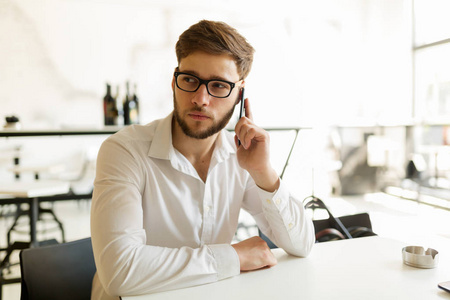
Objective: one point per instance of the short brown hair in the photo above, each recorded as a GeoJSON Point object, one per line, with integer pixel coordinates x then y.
{"type": "Point", "coordinates": [216, 38]}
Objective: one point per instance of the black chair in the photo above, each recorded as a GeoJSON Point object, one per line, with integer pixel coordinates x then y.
{"type": "Point", "coordinates": [63, 271]}
{"type": "Point", "coordinates": [267, 240]}
{"type": "Point", "coordinates": [333, 228]}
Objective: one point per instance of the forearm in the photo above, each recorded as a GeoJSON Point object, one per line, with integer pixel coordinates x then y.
{"type": "Point", "coordinates": [289, 227]}
{"type": "Point", "coordinates": [282, 218]}
{"type": "Point", "coordinates": [267, 180]}
{"type": "Point", "coordinates": [127, 265]}
{"type": "Point", "coordinates": [142, 269]}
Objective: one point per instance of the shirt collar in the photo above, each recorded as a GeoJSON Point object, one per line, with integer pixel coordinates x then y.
{"type": "Point", "coordinates": [161, 146]}
{"type": "Point", "coordinates": [224, 145]}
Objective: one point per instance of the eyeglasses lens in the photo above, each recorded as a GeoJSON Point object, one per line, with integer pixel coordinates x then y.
{"type": "Point", "coordinates": [216, 88]}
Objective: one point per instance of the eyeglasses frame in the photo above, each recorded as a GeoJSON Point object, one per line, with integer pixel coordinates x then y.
{"type": "Point", "coordinates": [205, 82]}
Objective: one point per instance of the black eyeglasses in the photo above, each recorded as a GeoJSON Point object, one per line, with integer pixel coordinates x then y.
{"type": "Point", "coordinates": [216, 88]}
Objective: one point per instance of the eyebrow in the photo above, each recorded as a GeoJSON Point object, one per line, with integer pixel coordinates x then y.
{"type": "Point", "coordinates": [214, 77]}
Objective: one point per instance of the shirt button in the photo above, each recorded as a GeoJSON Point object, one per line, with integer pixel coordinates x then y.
{"type": "Point", "coordinates": [278, 201]}
{"type": "Point", "coordinates": [207, 208]}
{"type": "Point", "coordinates": [268, 201]}
{"type": "Point", "coordinates": [291, 225]}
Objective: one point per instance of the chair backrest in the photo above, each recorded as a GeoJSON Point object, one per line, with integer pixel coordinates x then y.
{"type": "Point", "coordinates": [62, 271]}
{"type": "Point", "coordinates": [361, 219]}
{"type": "Point", "coordinates": [267, 240]}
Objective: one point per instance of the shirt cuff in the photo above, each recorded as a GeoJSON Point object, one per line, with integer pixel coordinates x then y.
{"type": "Point", "coordinates": [275, 200]}
{"type": "Point", "coordinates": [227, 260]}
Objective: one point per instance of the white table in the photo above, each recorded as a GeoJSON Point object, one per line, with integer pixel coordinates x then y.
{"type": "Point", "coordinates": [17, 192]}
{"type": "Point", "coordinates": [31, 189]}
{"type": "Point", "coordinates": [364, 268]}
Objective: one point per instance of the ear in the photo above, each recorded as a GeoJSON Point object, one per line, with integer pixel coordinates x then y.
{"type": "Point", "coordinates": [173, 79]}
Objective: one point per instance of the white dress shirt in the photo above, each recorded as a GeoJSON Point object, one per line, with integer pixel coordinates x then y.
{"type": "Point", "coordinates": [157, 226]}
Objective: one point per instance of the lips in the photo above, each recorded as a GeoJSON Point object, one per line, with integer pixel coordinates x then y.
{"type": "Point", "coordinates": [198, 116]}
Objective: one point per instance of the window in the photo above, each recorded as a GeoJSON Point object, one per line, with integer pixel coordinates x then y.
{"type": "Point", "coordinates": [431, 61]}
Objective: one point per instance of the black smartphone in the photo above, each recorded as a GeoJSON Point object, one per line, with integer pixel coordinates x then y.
{"type": "Point", "coordinates": [445, 286]}
{"type": "Point", "coordinates": [242, 109]}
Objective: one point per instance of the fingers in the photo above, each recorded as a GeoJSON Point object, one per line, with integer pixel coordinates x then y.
{"type": "Point", "coordinates": [242, 130]}
{"type": "Point", "coordinates": [254, 254]}
{"type": "Point", "coordinates": [236, 141]}
{"type": "Point", "coordinates": [269, 258]}
{"type": "Point", "coordinates": [247, 134]}
{"type": "Point", "coordinates": [248, 110]}
{"type": "Point", "coordinates": [246, 130]}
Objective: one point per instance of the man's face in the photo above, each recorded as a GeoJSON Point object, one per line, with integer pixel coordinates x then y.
{"type": "Point", "coordinates": [199, 114]}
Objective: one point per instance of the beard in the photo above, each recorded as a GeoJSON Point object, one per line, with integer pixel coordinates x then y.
{"type": "Point", "coordinates": [203, 134]}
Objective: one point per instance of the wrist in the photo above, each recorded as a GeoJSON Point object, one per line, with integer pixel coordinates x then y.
{"type": "Point", "coordinates": [268, 180]}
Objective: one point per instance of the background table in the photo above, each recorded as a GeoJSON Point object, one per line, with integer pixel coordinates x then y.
{"type": "Point", "coordinates": [364, 268]}
{"type": "Point", "coordinates": [32, 193]}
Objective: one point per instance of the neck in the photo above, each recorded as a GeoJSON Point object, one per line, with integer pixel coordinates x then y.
{"type": "Point", "coordinates": [197, 151]}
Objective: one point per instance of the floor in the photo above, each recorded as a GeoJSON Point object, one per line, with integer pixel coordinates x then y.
{"type": "Point", "coordinates": [392, 217]}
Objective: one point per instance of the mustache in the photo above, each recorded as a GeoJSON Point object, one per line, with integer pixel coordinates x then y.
{"type": "Point", "coordinates": [198, 108]}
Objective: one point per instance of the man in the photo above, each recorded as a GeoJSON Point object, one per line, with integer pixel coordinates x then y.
{"type": "Point", "coordinates": [167, 195]}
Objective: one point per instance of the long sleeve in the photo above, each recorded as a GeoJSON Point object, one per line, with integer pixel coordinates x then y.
{"type": "Point", "coordinates": [127, 262]}
{"type": "Point", "coordinates": [281, 217]}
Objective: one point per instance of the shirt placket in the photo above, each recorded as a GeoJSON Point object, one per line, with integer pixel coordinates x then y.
{"type": "Point", "coordinates": [208, 216]}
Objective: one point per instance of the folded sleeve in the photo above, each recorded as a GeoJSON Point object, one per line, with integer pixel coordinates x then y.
{"type": "Point", "coordinates": [227, 260]}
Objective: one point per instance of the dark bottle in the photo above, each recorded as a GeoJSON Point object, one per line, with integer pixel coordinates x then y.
{"type": "Point", "coordinates": [130, 108]}
{"type": "Point", "coordinates": [135, 115]}
{"type": "Point", "coordinates": [119, 106]}
{"type": "Point", "coordinates": [109, 107]}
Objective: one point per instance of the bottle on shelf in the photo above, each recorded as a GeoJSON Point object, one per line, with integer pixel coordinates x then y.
{"type": "Point", "coordinates": [119, 106]}
{"type": "Point", "coordinates": [136, 101]}
{"type": "Point", "coordinates": [109, 107]}
{"type": "Point", "coordinates": [130, 107]}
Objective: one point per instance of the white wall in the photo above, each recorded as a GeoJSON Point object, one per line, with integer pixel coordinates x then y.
{"type": "Point", "coordinates": [316, 63]}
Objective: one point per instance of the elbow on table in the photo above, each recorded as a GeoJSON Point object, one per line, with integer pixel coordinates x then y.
{"type": "Point", "coordinates": [113, 278]}
{"type": "Point", "coordinates": [122, 281]}
{"type": "Point", "coordinates": [118, 287]}
{"type": "Point", "coordinates": [303, 247]}
{"type": "Point", "coordinates": [114, 291]}
{"type": "Point", "coordinates": [113, 286]}
{"type": "Point", "coordinates": [302, 251]}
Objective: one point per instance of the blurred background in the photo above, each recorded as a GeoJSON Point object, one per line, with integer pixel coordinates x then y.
{"type": "Point", "coordinates": [369, 79]}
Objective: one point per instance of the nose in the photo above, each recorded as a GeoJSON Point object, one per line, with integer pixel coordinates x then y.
{"type": "Point", "coordinates": [201, 97]}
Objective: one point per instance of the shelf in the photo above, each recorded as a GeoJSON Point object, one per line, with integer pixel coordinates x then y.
{"type": "Point", "coordinates": [106, 130]}
{"type": "Point", "coordinates": [58, 132]}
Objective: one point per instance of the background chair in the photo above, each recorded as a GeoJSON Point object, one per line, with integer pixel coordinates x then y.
{"type": "Point", "coordinates": [333, 228]}
{"type": "Point", "coordinates": [267, 240]}
{"type": "Point", "coordinates": [63, 271]}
